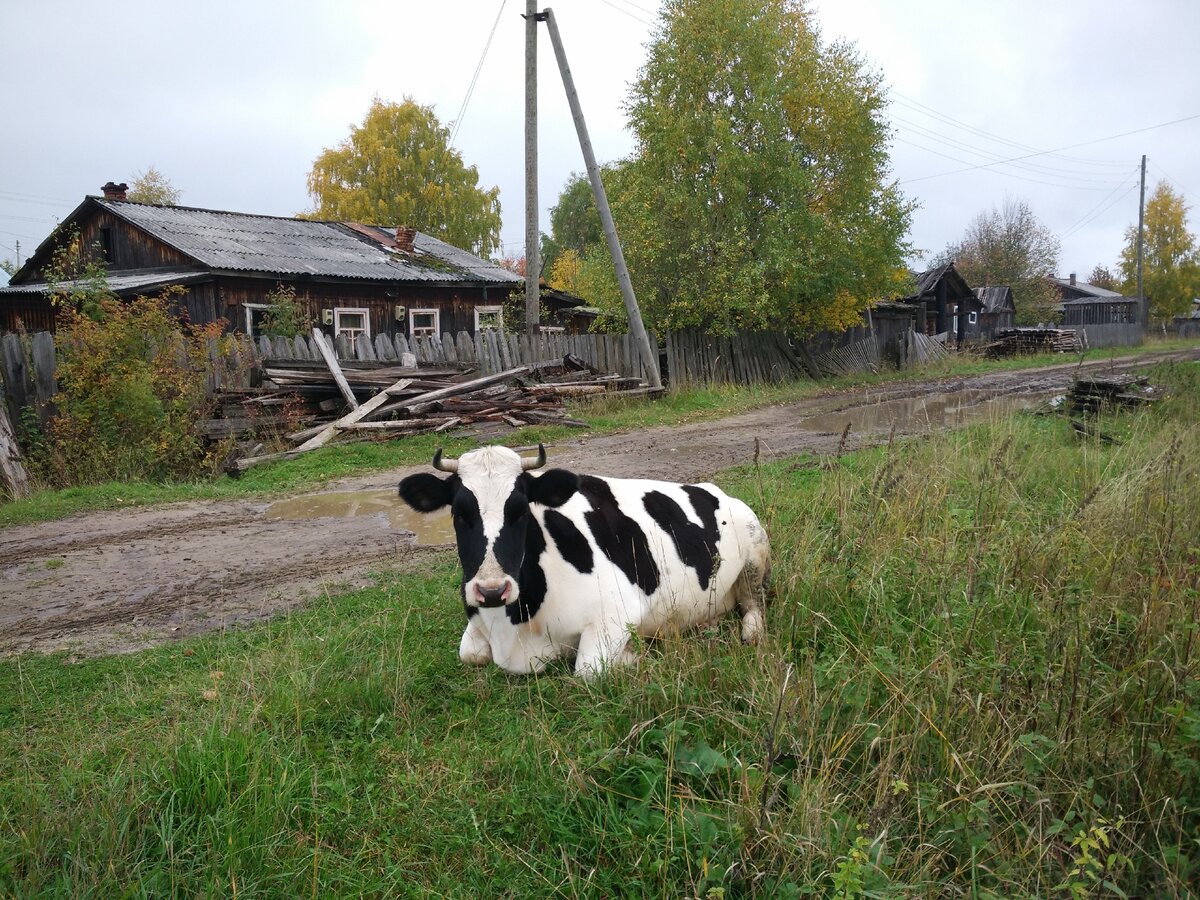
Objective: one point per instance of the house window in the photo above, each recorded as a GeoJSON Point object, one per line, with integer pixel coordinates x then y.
{"type": "Point", "coordinates": [954, 327]}
{"type": "Point", "coordinates": [255, 312]}
{"type": "Point", "coordinates": [489, 317]}
{"type": "Point", "coordinates": [352, 323]}
{"type": "Point", "coordinates": [106, 246]}
{"type": "Point", "coordinates": [972, 318]}
{"type": "Point", "coordinates": [423, 322]}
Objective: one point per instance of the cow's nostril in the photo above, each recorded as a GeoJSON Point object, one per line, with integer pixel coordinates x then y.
{"type": "Point", "coordinates": [492, 596]}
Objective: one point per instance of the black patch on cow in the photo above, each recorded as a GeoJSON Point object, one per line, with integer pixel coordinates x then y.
{"type": "Point", "coordinates": [468, 529]}
{"type": "Point", "coordinates": [509, 546]}
{"type": "Point", "coordinates": [426, 493]}
{"type": "Point", "coordinates": [696, 544]}
{"type": "Point", "coordinates": [470, 608]}
{"type": "Point", "coordinates": [532, 579]}
{"type": "Point", "coordinates": [569, 540]}
{"type": "Point", "coordinates": [553, 488]}
{"type": "Point", "coordinates": [619, 537]}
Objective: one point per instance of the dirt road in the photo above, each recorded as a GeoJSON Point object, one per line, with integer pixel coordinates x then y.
{"type": "Point", "coordinates": [116, 581]}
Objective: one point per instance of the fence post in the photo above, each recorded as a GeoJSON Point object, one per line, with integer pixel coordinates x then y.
{"type": "Point", "coordinates": [45, 386]}
{"type": "Point", "coordinates": [14, 374]}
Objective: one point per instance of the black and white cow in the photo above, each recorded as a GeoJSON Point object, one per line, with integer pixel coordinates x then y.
{"type": "Point", "coordinates": [563, 563]}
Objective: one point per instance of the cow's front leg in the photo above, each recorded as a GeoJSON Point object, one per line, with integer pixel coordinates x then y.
{"type": "Point", "coordinates": [475, 649]}
{"type": "Point", "coordinates": [601, 647]}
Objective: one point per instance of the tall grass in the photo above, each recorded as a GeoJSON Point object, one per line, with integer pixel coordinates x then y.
{"type": "Point", "coordinates": [980, 680]}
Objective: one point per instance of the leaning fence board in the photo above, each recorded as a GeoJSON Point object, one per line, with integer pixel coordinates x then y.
{"type": "Point", "coordinates": [13, 476]}
{"type": "Point", "coordinates": [331, 361]}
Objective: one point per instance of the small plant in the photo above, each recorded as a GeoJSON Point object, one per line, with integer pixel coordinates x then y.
{"type": "Point", "coordinates": [1094, 861]}
{"type": "Point", "coordinates": [850, 878]}
{"type": "Point", "coordinates": [286, 316]}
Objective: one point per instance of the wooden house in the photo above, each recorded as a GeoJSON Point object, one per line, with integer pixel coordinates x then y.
{"type": "Point", "coordinates": [999, 311]}
{"type": "Point", "coordinates": [350, 278]}
{"type": "Point", "coordinates": [1105, 317]}
{"type": "Point", "coordinates": [946, 304]}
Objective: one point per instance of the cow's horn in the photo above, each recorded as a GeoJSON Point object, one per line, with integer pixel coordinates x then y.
{"type": "Point", "coordinates": [444, 465]}
{"type": "Point", "coordinates": [527, 463]}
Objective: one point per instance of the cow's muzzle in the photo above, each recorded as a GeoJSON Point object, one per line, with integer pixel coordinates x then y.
{"type": "Point", "coordinates": [492, 596]}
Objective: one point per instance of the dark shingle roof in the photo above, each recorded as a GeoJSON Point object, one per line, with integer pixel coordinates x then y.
{"type": "Point", "coordinates": [242, 242]}
{"type": "Point", "coordinates": [1085, 288]}
{"type": "Point", "coordinates": [996, 298]}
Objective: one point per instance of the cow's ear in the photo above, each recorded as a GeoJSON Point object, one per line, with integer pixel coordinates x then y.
{"type": "Point", "coordinates": [425, 492]}
{"type": "Point", "coordinates": [553, 488]}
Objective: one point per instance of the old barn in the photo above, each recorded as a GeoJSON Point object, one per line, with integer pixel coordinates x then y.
{"type": "Point", "coordinates": [350, 278]}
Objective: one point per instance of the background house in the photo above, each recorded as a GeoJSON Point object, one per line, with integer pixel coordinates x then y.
{"type": "Point", "coordinates": [946, 303]}
{"type": "Point", "coordinates": [1105, 317]}
{"type": "Point", "coordinates": [350, 278]}
{"type": "Point", "coordinates": [999, 310]}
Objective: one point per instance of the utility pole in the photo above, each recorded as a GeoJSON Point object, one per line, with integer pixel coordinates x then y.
{"type": "Point", "coordinates": [1142, 308]}
{"type": "Point", "coordinates": [636, 327]}
{"type": "Point", "coordinates": [18, 248]}
{"type": "Point", "coordinates": [533, 262]}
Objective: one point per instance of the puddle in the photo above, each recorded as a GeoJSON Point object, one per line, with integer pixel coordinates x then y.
{"type": "Point", "coordinates": [934, 411]}
{"type": "Point", "coordinates": [430, 528]}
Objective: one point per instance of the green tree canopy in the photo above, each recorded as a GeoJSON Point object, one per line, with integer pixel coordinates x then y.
{"type": "Point", "coordinates": [152, 186]}
{"type": "Point", "coordinates": [758, 194]}
{"type": "Point", "coordinates": [1171, 263]}
{"type": "Point", "coordinates": [398, 168]}
{"type": "Point", "coordinates": [1010, 246]}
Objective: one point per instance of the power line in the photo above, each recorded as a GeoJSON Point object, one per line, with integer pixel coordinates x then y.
{"type": "Point", "coordinates": [626, 12]}
{"type": "Point", "coordinates": [462, 110]}
{"type": "Point", "coordinates": [1095, 213]}
{"type": "Point", "coordinates": [34, 196]}
{"type": "Point", "coordinates": [1110, 137]}
{"type": "Point", "coordinates": [1057, 184]}
{"type": "Point", "coordinates": [27, 218]}
{"type": "Point", "coordinates": [920, 107]}
{"type": "Point", "coordinates": [639, 7]}
{"type": "Point", "coordinates": [1036, 168]}
{"type": "Point", "coordinates": [1167, 175]}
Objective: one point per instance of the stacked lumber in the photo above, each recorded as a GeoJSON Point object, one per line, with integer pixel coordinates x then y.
{"type": "Point", "coordinates": [416, 403]}
{"type": "Point", "coordinates": [1092, 393]}
{"type": "Point", "coordinates": [1014, 341]}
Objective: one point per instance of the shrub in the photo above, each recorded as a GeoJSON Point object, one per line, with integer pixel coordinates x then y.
{"type": "Point", "coordinates": [131, 389]}
{"type": "Point", "coordinates": [285, 316]}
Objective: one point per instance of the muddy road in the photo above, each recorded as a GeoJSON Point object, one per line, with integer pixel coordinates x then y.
{"type": "Point", "coordinates": [119, 580]}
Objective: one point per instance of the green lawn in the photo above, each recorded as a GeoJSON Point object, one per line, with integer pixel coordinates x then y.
{"type": "Point", "coordinates": [980, 680]}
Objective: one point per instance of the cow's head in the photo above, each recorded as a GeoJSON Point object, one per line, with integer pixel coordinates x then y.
{"type": "Point", "coordinates": [489, 491]}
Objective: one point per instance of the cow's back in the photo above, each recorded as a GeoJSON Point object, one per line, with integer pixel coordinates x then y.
{"type": "Point", "coordinates": [665, 557]}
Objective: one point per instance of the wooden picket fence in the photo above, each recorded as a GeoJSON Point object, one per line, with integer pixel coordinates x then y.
{"type": "Point", "coordinates": [691, 357]}
{"type": "Point", "coordinates": [488, 350]}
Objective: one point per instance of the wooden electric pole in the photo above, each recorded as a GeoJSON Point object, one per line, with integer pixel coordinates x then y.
{"type": "Point", "coordinates": [1142, 307]}
{"type": "Point", "coordinates": [533, 263]}
{"type": "Point", "coordinates": [636, 327]}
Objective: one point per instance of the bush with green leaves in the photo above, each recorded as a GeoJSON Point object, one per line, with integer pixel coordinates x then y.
{"type": "Point", "coordinates": [131, 389]}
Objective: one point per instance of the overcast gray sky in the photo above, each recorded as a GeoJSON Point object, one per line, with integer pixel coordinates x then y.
{"type": "Point", "coordinates": [232, 101]}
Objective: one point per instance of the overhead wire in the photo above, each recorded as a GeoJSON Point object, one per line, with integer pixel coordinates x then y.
{"type": "Point", "coordinates": [922, 108]}
{"type": "Point", "coordinates": [1049, 171]}
{"type": "Point", "coordinates": [1100, 208]}
{"type": "Point", "coordinates": [1058, 184]}
{"type": "Point", "coordinates": [626, 12]}
{"type": "Point", "coordinates": [1110, 137]}
{"type": "Point", "coordinates": [639, 7]}
{"type": "Point", "coordinates": [1167, 175]}
{"type": "Point", "coordinates": [462, 110]}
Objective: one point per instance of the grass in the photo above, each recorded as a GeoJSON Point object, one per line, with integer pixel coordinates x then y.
{"type": "Point", "coordinates": [980, 680]}
{"type": "Point", "coordinates": [603, 416]}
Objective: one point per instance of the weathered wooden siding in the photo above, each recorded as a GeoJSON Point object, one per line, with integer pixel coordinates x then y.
{"type": "Point", "coordinates": [127, 247]}
{"type": "Point", "coordinates": [28, 312]}
{"type": "Point", "coordinates": [456, 304]}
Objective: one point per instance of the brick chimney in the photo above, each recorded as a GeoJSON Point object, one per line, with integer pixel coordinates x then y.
{"type": "Point", "coordinates": [404, 238]}
{"type": "Point", "coordinates": [114, 191]}
{"type": "Point", "coordinates": [1072, 279]}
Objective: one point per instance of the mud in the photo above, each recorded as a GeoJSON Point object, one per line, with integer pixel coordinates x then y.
{"type": "Point", "coordinates": [120, 580]}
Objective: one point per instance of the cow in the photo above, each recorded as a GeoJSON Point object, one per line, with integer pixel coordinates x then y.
{"type": "Point", "coordinates": [559, 563]}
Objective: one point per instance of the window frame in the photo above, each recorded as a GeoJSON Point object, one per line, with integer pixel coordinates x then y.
{"type": "Point", "coordinates": [251, 309]}
{"type": "Point", "coordinates": [497, 309]}
{"type": "Point", "coordinates": [437, 321]}
{"type": "Point", "coordinates": [353, 333]}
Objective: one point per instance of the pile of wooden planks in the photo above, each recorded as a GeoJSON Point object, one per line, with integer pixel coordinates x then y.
{"type": "Point", "coordinates": [1016, 341]}
{"type": "Point", "coordinates": [426, 399]}
{"type": "Point", "coordinates": [1091, 393]}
